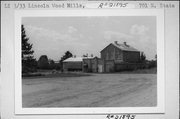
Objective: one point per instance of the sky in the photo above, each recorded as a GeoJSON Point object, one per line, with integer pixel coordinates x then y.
{"type": "Point", "coordinates": [53, 36]}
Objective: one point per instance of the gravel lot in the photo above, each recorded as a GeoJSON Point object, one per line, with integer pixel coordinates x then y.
{"type": "Point", "coordinates": [98, 90]}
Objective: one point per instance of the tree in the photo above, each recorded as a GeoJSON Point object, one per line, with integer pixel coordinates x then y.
{"type": "Point", "coordinates": [43, 62]}
{"type": "Point", "coordinates": [142, 57]}
{"type": "Point", "coordinates": [67, 55]}
{"type": "Point", "coordinates": [51, 64]}
{"type": "Point", "coordinates": [29, 63]}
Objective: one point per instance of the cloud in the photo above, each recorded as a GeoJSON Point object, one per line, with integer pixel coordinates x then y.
{"type": "Point", "coordinates": [51, 35]}
{"type": "Point", "coordinates": [112, 35]}
{"type": "Point", "coordinates": [46, 41]}
{"type": "Point", "coordinates": [55, 42]}
{"type": "Point", "coordinates": [138, 30]}
{"type": "Point", "coordinates": [141, 33]}
{"type": "Point", "coordinates": [42, 33]}
{"type": "Point", "coordinates": [144, 42]}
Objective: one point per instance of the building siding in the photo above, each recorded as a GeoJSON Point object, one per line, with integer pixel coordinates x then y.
{"type": "Point", "coordinates": [87, 65]}
{"type": "Point", "coordinates": [112, 53]}
{"type": "Point", "coordinates": [130, 56]}
{"type": "Point", "coordinates": [72, 66]}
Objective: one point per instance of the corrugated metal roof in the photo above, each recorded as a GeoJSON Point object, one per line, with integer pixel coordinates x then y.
{"type": "Point", "coordinates": [124, 47]}
{"type": "Point", "coordinates": [77, 59]}
{"type": "Point", "coordinates": [74, 59]}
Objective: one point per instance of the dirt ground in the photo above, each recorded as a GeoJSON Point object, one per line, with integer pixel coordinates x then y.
{"type": "Point", "coordinates": [98, 90]}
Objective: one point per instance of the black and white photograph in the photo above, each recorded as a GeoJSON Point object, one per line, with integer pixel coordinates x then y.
{"type": "Point", "coordinates": [89, 60]}
{"type": "Point", "coordinates": [86, 61]}
{"type": "Point", "coordinates": [108, 61]}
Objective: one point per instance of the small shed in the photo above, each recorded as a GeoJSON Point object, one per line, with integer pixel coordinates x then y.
{"type": "Point", "coordinates": [73, 64]}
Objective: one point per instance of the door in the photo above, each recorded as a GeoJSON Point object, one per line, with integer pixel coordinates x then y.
{"type": "Point", "coordinates": [109, 66]}
{"type": "Point", "coordinates": [100, 68]}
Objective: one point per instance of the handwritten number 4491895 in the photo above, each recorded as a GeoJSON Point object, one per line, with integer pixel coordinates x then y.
{"type": "Point", "coordinates": [124, 116]}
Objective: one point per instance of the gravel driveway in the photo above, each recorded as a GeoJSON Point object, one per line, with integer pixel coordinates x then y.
{"type": "Point", "coordinates": [98, 90]}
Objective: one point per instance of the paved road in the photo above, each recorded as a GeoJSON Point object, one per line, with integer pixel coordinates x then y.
{"type": "Point", "coordinates": [99, 90]}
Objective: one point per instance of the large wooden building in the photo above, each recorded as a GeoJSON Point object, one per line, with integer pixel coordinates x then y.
{"type": "Point", "coordinates": [118, 57]}
{"type": "Point", "coordinates": [120, 53]}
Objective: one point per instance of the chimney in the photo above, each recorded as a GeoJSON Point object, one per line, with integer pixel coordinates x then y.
{"type": "Point", "coordinates": [116, 42]}
{"type": "Point", "coordinates": [126, 44]}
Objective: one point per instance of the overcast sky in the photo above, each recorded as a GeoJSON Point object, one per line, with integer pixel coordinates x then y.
{"type": "Point", "coordinates": [53, 36]}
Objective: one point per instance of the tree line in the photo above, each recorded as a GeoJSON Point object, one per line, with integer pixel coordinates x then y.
{"type": "Point", "coordinates": [30, 64]}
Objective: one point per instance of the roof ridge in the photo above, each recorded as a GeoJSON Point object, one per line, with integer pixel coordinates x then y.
{"type": "Point", "coordinates": [124, 47]}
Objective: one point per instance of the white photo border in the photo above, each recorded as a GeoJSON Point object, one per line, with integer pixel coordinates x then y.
{"type": "Point", "coordinates": [159, 13]}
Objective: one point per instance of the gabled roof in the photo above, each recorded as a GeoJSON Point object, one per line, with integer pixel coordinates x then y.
{"type": "Point", "coordinates": [123, 47]}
